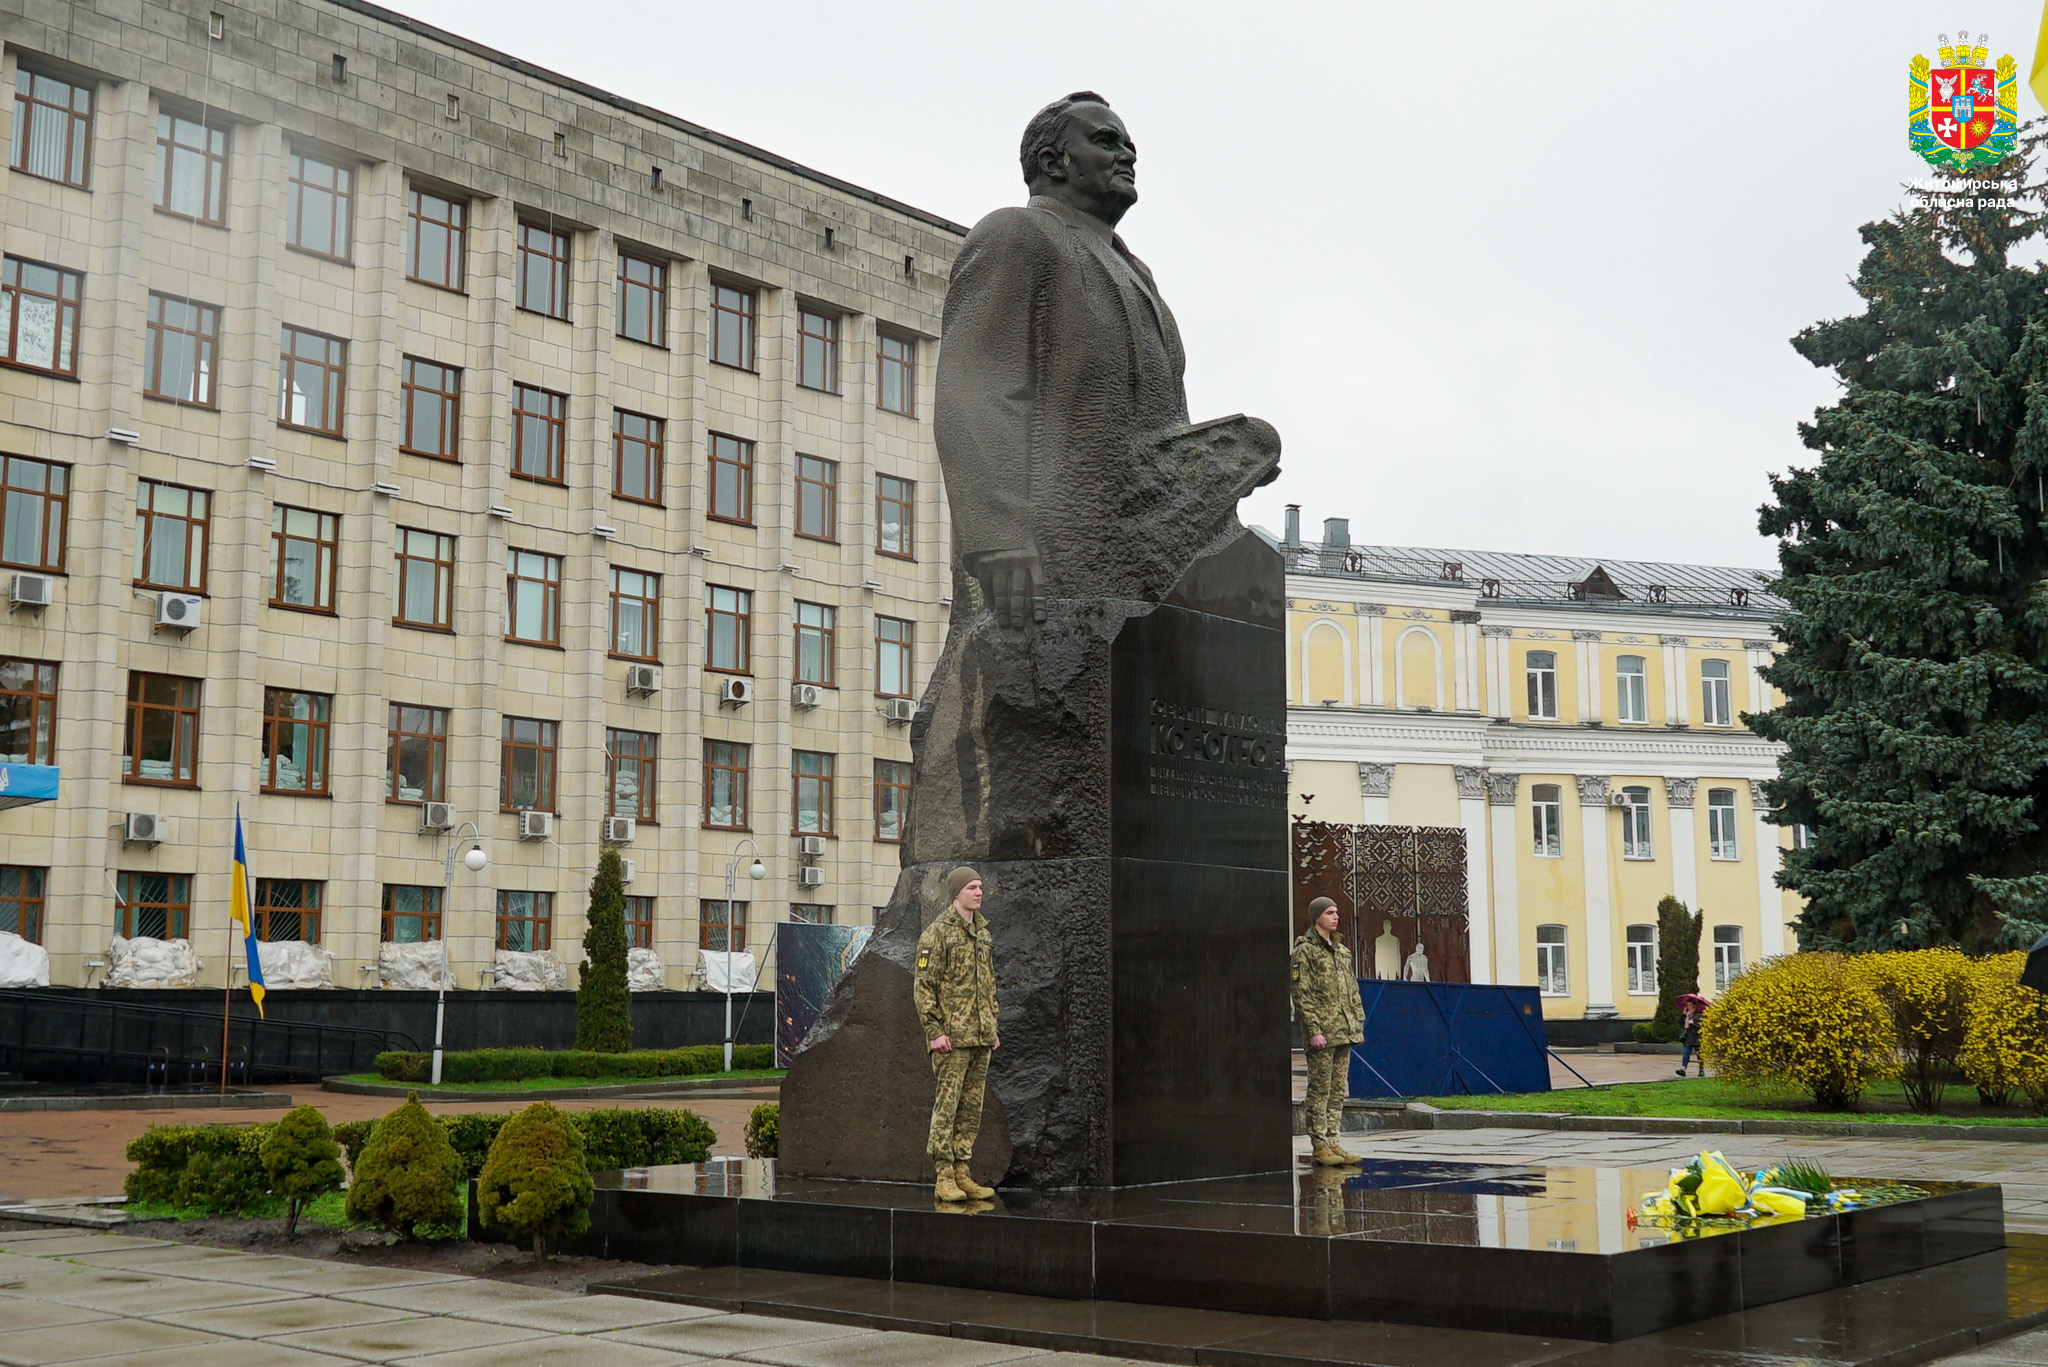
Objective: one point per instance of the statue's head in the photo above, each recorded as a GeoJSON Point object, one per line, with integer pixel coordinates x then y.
{"type": "Point", "coordinates": [1078, 151]}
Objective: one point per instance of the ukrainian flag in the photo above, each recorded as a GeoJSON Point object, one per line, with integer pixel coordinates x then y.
{"type": "Point", "coordinates": [238, 907]}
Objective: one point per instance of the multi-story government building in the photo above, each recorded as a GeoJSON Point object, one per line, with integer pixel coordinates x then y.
{"type": "Point", "coordinates": [396, 435]}
{"type": "Point", "coordinates": [1513, 758]}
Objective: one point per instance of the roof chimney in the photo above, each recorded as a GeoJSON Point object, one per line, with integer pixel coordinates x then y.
{"type": "Point", "coordinates": [1292, 536]}
{"type": "Point", "coordinates": [1336, 533]}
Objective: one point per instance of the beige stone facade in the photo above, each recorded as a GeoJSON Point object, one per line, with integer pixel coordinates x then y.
{"type": "Point", "coordinates": [402, 108]}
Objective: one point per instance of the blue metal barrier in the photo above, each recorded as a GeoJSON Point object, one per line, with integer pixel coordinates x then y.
{"type": "Point", "coordinates": [1449, 1039]}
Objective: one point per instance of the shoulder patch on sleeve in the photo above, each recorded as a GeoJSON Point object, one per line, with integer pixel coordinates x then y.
{"type": "Point", "coordinates": [924, 956]}
{"type": "Point", "coordinates": [1294, 973]}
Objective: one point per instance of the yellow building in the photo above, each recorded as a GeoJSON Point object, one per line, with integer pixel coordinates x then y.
{"type": "Point", "coordinates": [1575, 726]}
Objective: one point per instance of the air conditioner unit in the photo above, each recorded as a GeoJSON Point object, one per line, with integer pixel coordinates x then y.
{"type": "Point", "coordinates": [737, 692]}
{"type": "Point", "coordinates": [643, 679]}
{"type": "Point", "coordinates": [33, 590]}
{"type": "Point", "coordinates": [618, 830]}
{"type": "Point", "coordinates": [536, 825]}
{"type": "Point", "coordinates": [805, 695]}
{"type": "Point", "coordinates": [810, 878]}
{"type": "Point", "coordinates": [437, 816]}
{"type": "Point", "coordinates": [179, 610]}
{"type": "Point", "coordinates": [627, 868]}
{"type": "Point", "coordinates": [810, 846]}
{"type": "Point", "coordinates": [899, 710]}
{"type": "Point", "coordinates": [1617, 799]}
{"type": "Point", "coordinates": [143, 828]}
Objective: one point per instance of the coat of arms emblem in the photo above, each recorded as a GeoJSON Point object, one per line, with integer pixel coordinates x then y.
{"type": "Point", "coordinates": [1963, 114]}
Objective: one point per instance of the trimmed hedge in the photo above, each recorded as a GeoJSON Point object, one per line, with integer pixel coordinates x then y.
{"type": "Point", "coordinates": [612, 1138]}
{"type": "Point", "coordinates": [218, 1168]}
{"type": "Point", "coordinates": [520, 1065]}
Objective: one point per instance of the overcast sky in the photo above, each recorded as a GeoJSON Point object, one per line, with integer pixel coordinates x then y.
{"type": "Point", "coordinates": [1506, 276]}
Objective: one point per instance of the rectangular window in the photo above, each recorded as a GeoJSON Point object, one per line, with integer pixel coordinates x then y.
{"type": "Point", "coordinates": [728, 635]}
{"type": "Point", "coordinates": [181, 340]}
{"type": "Point", "coordinates": [544, 270]}
{"type": "Point", "coordinates": [191, 168]}
{"type": "Point", "coordinates": [423, 579]}
{"type": "Point", "coordinates": [312, 381]}
{"type": "Point", "coordinates": [158, 905]}
{"type": "Point", "coordinates": [1546, 806]}
{"type": "Point", "coordinates": [1541, 668]}
{"type": "Point", "coordinates": [639, 923]}
{"type": "Point", "coordinates": [1635, 824]}
{"type": "Point", "coordinates": [642, 303]}
{"type": "Point", "coordinates": [894, 649]}
{"type": "Point", "coordinates": [810, 913]}
{"type": "Point", "coordinates": [896, 377]}
{"type": "Point", "coordinates": [629, 758]}
{"type": "Point", "coordinates": [1642, 960]}
{"type": "Point", "coordinates": [433, 408]}
{"type": "Point", "coordinates": [295, 742]}
{"type": "Point", "coordinates": [28, 711]}
{"type": "Point", "coordinates": [21, 901]}
{"type": "Point", "coordinates": [35, 497]}
{"type": "Point", "coordinates": [1714, 708]}
{"type": "Point", "coordinates": [1802, 835]}
{"type": "Point", "coordinates": [527, 765]}
{"type": "Point", "coordinates": [1721, 841]}
{"type": "Point", "coordinates": [416, 755]}
{"type": "Point", "coordinates": [892, 799]}
{"type": "Point", "coordinates": [52, 128]}
{"type": "Point", "coordinates": [1553, 974]}
{"type": "Point", "coordinates": [896, 517]}
{"type": "Point", "coordinates": [320, 207]}
{"type": "Point", "coordinates": [162, 736]}
{"type": "Point", "coordinates": [636, 614]}
{"type": "Point", "coordinates": [723, 927]}
{"type": "Point", "coordinates": [287, 909]}
{"type": "Point", "coordinates": [304, 546]}
{"type": "Point", "coordinates": [540, 430]}
{"type": "Point", "coordinates": [435, 229]}
{"type": "Point", "coordinates": [39, 316]}
{"type": "Point", "coordinates": [732, 478]}
{"type": "Point", "coordinates": [814, 639]}
{"type": "Point", "coordinates": [1727, 956]}
{"type": "Point", "coordinates": [636, 456]}
{"type": "Point", "coordinates": [1632, 689]}
{"type": "Point", "coordinates": [533, 597]}
{"type": "Point", "coordinates": [170, 536]}
{"type": "Point", "coordinates": [812, 776]}
{"type": "Point", "coordinates": [412, 914]}
{"type": "Point", "coordinates": [727, 765]}
{"type": "Point", "coordinates": [817, 498]}
{"type": "Point", "coordinates": [732, 326]}
{"type": "Point", "coordinates": [817, 337]}
{"type": "Point", "coordinates": [526, 921]}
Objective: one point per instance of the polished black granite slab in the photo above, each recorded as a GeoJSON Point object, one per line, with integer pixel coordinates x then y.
{"type": "Point", "coordinates": [1501, 1249]}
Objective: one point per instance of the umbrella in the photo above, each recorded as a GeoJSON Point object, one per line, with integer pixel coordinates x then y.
{"type": "Point", "coordinates": [2035, 975]}
{"type": "Point", "coordinates": [1692, 999]}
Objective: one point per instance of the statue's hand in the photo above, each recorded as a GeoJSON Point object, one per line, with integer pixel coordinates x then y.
{"type": "Point", "coordinates": [1010, 582]}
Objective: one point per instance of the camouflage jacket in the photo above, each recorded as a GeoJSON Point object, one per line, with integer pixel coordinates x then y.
{"type": "Point", "coordinates": [1326, 990]}
{"type": "Point", "coordinates": [956, 980]}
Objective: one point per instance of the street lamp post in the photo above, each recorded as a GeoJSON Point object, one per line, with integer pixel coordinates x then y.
{"type": "Point", "coordinates": [756, 871]}
{"type": "Point", "coordinates": [475, 861]}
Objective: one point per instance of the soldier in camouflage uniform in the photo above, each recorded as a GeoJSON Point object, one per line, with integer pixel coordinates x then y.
{"type": "Point", "coordinates": [955, 993]}
{"type": "Point", "coordinates": [1332, 1019]}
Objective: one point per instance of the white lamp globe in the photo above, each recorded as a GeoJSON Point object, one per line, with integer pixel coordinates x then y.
{"type": "Point", "coordinates": [758, 871]}
{"type": "Point", "coordinates": [475, 860]}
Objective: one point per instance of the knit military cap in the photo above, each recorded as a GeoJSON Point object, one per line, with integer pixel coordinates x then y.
{"type": "Point", "coordinates": [958, 879]}
{"type": "Point", "coordinates": [1321, 905]}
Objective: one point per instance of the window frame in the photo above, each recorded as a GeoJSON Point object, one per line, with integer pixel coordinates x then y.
{"type": "Point", "coordinates": [332, 370]}
{"type": "Point", "coordinates": [147, 518]}
{"type": "Point", "coordinates": [56, 507]}
{"type": "Point", "coordinates": [184, 719]}
{"type": "Point", "coordinates": [737, 453]}
{"type": "Point", "coordinates": [1546, 817]}
{"type": "Point", "coordinates": [821, 635]}
{"type": "Point", "coordinates": [66, 306]}
{"type": "Point", "coordinates": [1541, 682]}
{"type": "Point", "coordinates": [454, 230]}
{"type": "Point", "coordinates": [742, 304]}
{"type": "Point", "coordinates": [811, 792]}
{"type": "Point", "coordinates": [904, 649]}
{"type": "Point", "coordinates": [551, 424]}
{"type": "Point", "coordinates": [734, 758]}
{"type": "Point", "coordinates": [1724, 841]}
{"type": "Point", "coordinates": [541, 243]}
{"type": "Point", "coordinates": [319, 739]}
{"type": "Point", "coordinates": [404, 554]}
{"type": "Point", "coordinates": [735, 930]}
{"type": "Point", "coordinates": [176, 906]}
{"type": "Point", "coordinates": [1716, 703]}
{"type": "Point", "coordinates": [649, 599]}
{"type": "Point", "coordinates": [1555, 980]}
{"type": "Point", "coordinates": [78, 127]}
{"type": "Point", "coordinates": [538, 912]}
{"type": "Point", "coordinates": [264, 908]}
{"type": "Point", "coordinates": [545, 746]}
{"type": "Point", "coordinates": [906, 372]}
{"type": "Point", "coordinates": [28, 901]}
{"type": "Point", "coordinates": [213, 156]}
{"type": "Point", "coordinates": [822, 475]}
{"type": "Point", "coordinates": [823, 339]}
{"type": "Point", "coordinates": [341, 210]}
{"type": "Point", "coordinates": [402, 723]}
{"type": "Point", "coordinates": [644, 760]}
{"type": "Point", "coordinates": [742, 617]}
{"type": "Point", "coordinates": [1638, 840]}
{"type": "Point", "coordinates": [895, 779]}
{"type": "Point", "coordinates": [1727, 966]}
{"type": "Point", "coordinates": [813, 913]}
{"type": "Point", "coordinates": [37, 697]}
{"type": "Point", "coordinates": [411, 385]}
{"type": "Point", "coordinates": [651, 443]}
{"type": "Point", "coordinates": [639, 916]}
{"type": "Point", "coordinates": [204, 387]}
{"type": "Point", "coordinates": [1632, 690]}
{"type": "Point", "coordinates": [431, 909]}
{"type": "Point", "coordinates": [906, 504]}
{"type": "Point", "coordinates": [326, 543]}
{"type": "Point", "coordinates": [1640, 958]}
{"type": "Point", "coordinates": [550, 580]}
{"type": "Point", "coordinates": [656, 304]}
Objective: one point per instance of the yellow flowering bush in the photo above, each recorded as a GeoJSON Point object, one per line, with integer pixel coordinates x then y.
{"type": "Point", "coordinates": [1927, 993]}
{"type": "Point", "coordinates": [1802, 1021]}
{"type": "Point", "coordinates": [2005, 1045]}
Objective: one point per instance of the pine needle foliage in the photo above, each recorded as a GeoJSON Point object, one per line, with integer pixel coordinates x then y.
{"type": "Point", "coordinates": [303, 1161]}
{"type": "Point", "coordinates": [535, 1181]}
{"type": "Point", "coordinates": [1914, 558]}
{"type": "Point", "coordinates": [604, 1007]}
{"type": "Point", "coordinates": [1678, 964]}
{"type": "Point", "coordinates": [408, 1174]}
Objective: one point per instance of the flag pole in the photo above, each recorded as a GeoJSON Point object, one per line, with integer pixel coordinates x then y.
{"type": "Point", "coordinates": [227, 997]}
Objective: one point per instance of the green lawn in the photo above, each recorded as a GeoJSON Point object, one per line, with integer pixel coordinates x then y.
{"type": "Point", "coordinates": [320, 1211]}
{"type": "Point", "coordinates": [534, 1084]}
{"type": "Point", "coordinates": [1712, 1099]}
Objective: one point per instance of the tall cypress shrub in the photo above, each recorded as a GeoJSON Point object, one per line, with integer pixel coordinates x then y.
{"type": "Point", "coordinates": [604, 1008]}
{"type": "Point", "coordinates": [1678, 964]}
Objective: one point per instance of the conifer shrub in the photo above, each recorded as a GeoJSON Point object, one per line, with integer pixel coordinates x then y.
{"type": "Point", "coordinates": [352, 1135]}
{"type": "Point", "coordinates": [764, 1131]}
{"type": "Point", "coordinates": [408, 1174]}
{"type": "Point", "coordinates": [604, 1008]}
{"type": "Point", "coordinates": [1927, 994]}
{"type": "Point", "coordinates": [1678, 967]}
{"type": "Point", "coordinates": [301, 1160]}
{"type": "Point", "coordinates": [2005, 1045]}
{"type": "Point", "coordinates": [1804, 1022]}
{"type": "Point", "coordinates": [536, 1182]}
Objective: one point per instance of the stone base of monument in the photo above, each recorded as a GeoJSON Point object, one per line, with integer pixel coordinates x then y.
{"type": "Point", "coordinates": [1515, 1250]}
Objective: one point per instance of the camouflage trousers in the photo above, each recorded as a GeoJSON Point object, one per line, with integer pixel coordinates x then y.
{"type": "Point", "coordinates": [1328, 1080]}
{"type": "Point", "coordinates": [956, 1110]}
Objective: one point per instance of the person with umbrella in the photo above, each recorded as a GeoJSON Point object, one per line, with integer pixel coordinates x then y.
{"type": "Point", "coordinates": [1692, 1008]}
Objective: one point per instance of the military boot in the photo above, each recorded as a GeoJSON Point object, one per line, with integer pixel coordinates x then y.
{"type": "Point", "coordinates": [945, 1188]}
{"type": "Point", "coordinates": [975, 1190]}
{"type": "Point", "coordinates": [1328, 1155]}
